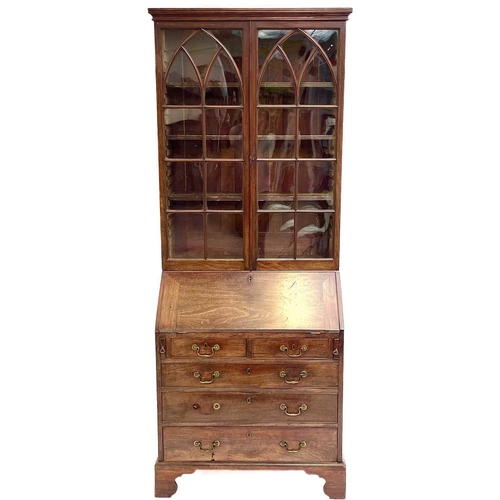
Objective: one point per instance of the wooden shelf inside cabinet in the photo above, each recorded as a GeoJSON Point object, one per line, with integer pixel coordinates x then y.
{"type": "Point", "coordinates": [249, 330]}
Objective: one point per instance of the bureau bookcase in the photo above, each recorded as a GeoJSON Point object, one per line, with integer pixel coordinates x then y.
{"type": "Point", "coordinates": [249, 327]}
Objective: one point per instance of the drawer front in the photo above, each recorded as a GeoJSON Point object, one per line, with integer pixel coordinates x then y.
{"type": "Point", "coordinates": [303, 348]}
{"type": "Point", "coordinates": [286, 375]}
{"type": "Point", "coordinates": [289, 408]}
{"type": "Point", "coordinates": [207, 346]}
{"type": "Point", "coordinates": [250, 444]}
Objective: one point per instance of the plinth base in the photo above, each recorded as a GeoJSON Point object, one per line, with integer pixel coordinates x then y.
{"type": "Point", "coordinates": [167, 472]}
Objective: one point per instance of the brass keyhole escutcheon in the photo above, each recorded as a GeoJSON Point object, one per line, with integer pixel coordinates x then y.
{"type": "Point", "coordinates": [249, 371]}
{"type": "Point", "coordinates": [249, 434]}
{"type": "Point", "coordinates": [249, 400]}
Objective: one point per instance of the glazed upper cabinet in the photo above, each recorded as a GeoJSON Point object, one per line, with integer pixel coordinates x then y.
{"type": "Point", "coordinates": [250, 124]}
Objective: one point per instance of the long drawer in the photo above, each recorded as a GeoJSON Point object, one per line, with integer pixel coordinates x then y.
{"type": "Point", "coordinates": [250, 444]}
{"type": "Point", "coordinates": [278, 408]}
{"type": "Point", "coordinates": [291, 374]}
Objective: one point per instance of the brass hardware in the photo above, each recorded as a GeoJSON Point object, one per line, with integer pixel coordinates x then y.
{"type": "Point", "coordinates": [216, 406]}
{"type": "Point", "coordinates": [215, 374]}
{"type": "Point", "coordinates": [249, 370]}
{"type": "Point", "coordinates": [250, 278]}
{"type": "Point", "coordinates": [335, 352]}
{"type": "Point", "coordinates": [284, 348]}
{"type": "Point", "coordinates": [284, 407]}
{"type": "Point", "coordinates": [214, 445]}
{"type": "Point", "coordinates": [249, 400]}
{"type": "Point", "coordinates": [249, 434]}
{"type": "Point", "coordinates": [303, 374]}
{"type": "Point", "coordinates": [196, 406]}
{"type": "Point", "coordinates": [162, 346]}
{"type": "Point", "coordinates": [284, 444]}
{"type": "Point", "coordinates": [196, 348]}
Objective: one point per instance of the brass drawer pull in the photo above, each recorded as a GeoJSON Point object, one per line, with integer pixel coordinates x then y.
{"type": "Point", "coordinates": [284, 407]}
{"type": "Point", "coordinates": [214, 445]}
{"type": "Point", "coordinates": [197, 375]}
{"type": "Point", "coordinates": [284, 348]}
{"type": "Point", "coordinates": [303, 374]}
{"type": "Point", "coordinates": [196, 348]}
{"type": "Point", "coordinates": [284, 444]}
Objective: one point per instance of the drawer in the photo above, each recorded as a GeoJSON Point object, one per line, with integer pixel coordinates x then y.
{"type": "Point", "coordinates": [216, 407]}
{"type": "Point", "coordinates": [304, 348]}
{"type": "Point", "coordinates": [250, 444]}
{"type": "Point", "coordinates": [284, 375]}
{"type": "Point", "coordinates": [207, 346]}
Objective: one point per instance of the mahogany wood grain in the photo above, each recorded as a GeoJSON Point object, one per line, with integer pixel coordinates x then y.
{"type": "Point", "coordinates": [215, 346]}
{"type": "Point", "coordinates": [208, 301]}
{"type": "Point", "coordinates": [301, 347]}
{"type": "Point", "coordinates": [248, 408]}
{"type": "Point", "coordinates": [250, 374]}
{"type": "Point", "coordinates": [251, 444]}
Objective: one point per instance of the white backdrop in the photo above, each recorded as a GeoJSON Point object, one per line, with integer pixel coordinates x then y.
{"type": "Point", "coordinates": [80, 254]}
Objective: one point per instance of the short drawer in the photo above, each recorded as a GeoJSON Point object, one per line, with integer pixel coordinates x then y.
{"type": "Point", "coordinates": [278, 375]}
{"type": "Point", "coordinates": [207, 346]}
{"type": "Point", "coordinates": [287, 408]}
{"type": "Point", "coordinates": [303, 348]}
{"type": "Point", "coordinates": [250, 444]}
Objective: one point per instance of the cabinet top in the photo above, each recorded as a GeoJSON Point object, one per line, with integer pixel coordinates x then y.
{"type": "Point", "coordinates": [235, 301]}
{"type": "Point", "coordinates": [333, 14]}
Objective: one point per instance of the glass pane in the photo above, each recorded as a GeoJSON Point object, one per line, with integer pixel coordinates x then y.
{"type": "Point", "coordinates": [184, 185]}
{"type": "Point", "coordinates": [224, 177]}
{"type": "Point", "coordinates": [185, 236]}
{"type": "Point", "coordinates": [314, 235]}
{"type": "Point", "coordinates": [316, 177]}
{"type": "Point", "coordinates": [183, 85]}
{"type": "Point", "coordinates": [225, 236]}
{"type": "Point", "coordinates": [267, 41]}
{"type": "Point", "coordinates": [223, 85]}
{"type": "Point", "coordinates": [183, 133]}
{"type": "Point", "coordinates": [224, 129]}
{"type": "Point", "coordinates": [276, 130]}
{"type": "Point", "coordinates": [171, 41]}
{"type": "Point", "coordinates": [275, 235]}
{"type": "Point", "coordinates": [231, 40]}
{"type": "Point", "coordinates": [276, 93]}
{"type": "Point", "coordinates": [298, 49]}
{"type": "Point", "coordinates": [202, 49]}
{"type": "Point", "coordinates": [316, 204]}
{"type": "Point", "coordinates": [275, 179]}
{"type": "Point", "coordinates": [317, 85]}
{"type": "Point", "coordinates": [328, 40]}
{"type": "Point", "coordinates": [317, 132]}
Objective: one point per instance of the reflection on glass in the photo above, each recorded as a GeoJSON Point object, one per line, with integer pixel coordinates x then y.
{"type": "Point", "coordinates": [275, 178]}
{"type": "Point", "coordinates": [317, 85]}
{"type": "Point", "coordinates": [224, 122]}
{"type": "Point", "coordinates": [183, 133]}
{"type": "Point", "coordinates": [183, 84]}
{"type": "Point", "coordinates": [276, 128]}
{"type": "Point", "coordinates": [223, 85]}
{"type": "Point", "coordinates": [184, 185]}
{"type": "Point", "coordinates": [315, 177]}
{"type": "Point", "coordinates": [224, 178]}
{"type": "Point", "coordinates": [317, 133]}
{"type": "Point", "coordinates": [186, 240]}
{"type": "Point", "coordinates": [298, 49]}
{"type": "Point", "coordinates": [314, 235]}
{"type": "Point", "coordinates": [171, 41]}
{"type": "Point", "coordinates": [225, 236]}
{"type": "Point", "coordinates": [275, 235]}
{"type": "Point", "coordinates": [276, 84]}
{"type": "Point", "coordinates": [267, 41]}
{"type": "Point", "coordinates": [202, 49]}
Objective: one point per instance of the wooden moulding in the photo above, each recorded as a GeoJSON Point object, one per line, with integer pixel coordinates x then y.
{"type": "Point", "coordinates": [166, 474]}
{"type": "Point", "coordinates": [332, 14]}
